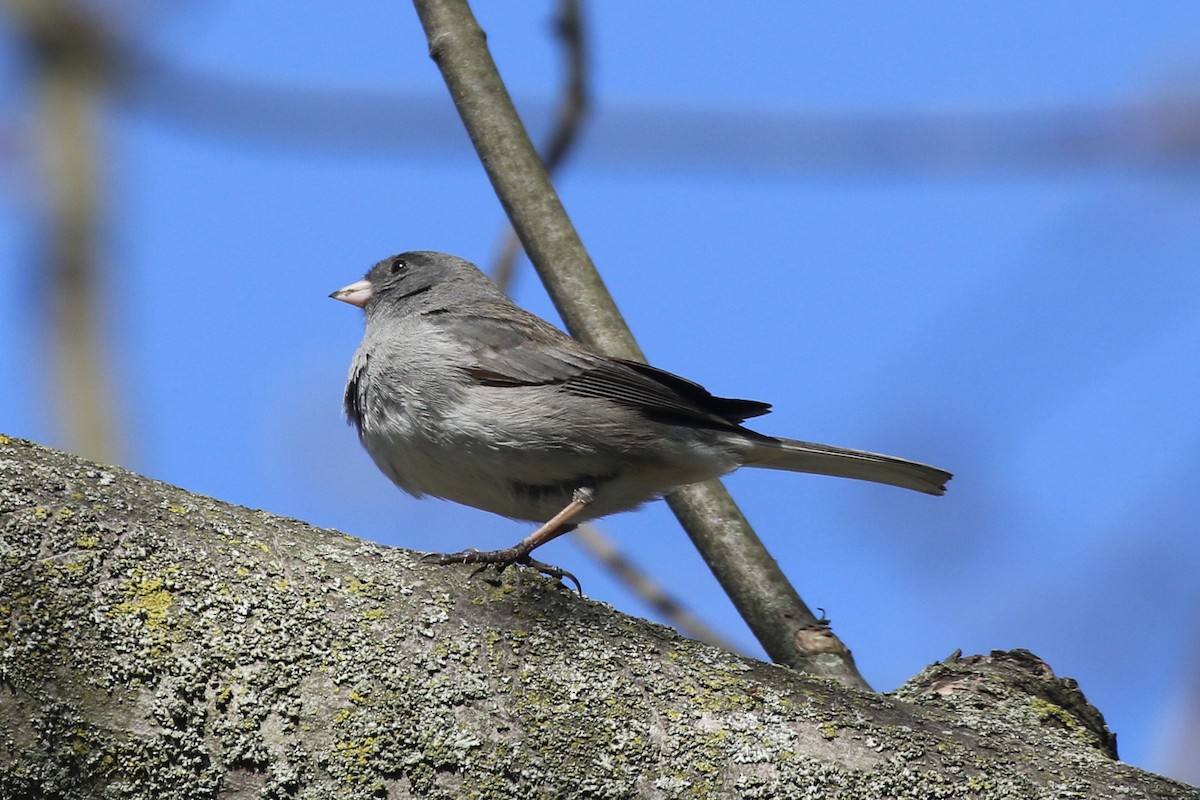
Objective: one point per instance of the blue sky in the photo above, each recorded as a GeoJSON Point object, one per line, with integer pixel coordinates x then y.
{"type": "Point", "coordinates": [1031, 324]}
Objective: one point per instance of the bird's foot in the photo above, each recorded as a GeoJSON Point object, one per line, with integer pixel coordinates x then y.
{"type": "Point", "coordinates": [501, 560]}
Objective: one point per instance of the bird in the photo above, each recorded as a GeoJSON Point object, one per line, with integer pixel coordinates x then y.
{"type": "Point", "coordinates": [458, 393]}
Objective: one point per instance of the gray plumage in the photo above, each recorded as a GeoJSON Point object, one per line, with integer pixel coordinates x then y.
{"type": "Point", "coordinates": [458, 393]}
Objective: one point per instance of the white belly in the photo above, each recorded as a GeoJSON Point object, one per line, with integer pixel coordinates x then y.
{"type": "Point", "coordinates": [516, 469]}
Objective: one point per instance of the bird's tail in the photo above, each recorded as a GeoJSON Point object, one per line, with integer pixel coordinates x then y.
{"type": "Point", "coordinates": [841, 462]}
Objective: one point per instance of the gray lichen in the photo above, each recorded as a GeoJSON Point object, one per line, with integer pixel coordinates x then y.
{"type": "Point", "coordinates": [162, 644]}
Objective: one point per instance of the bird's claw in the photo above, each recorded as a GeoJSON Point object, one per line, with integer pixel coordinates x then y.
{"type": "Point", "coordinates": [442, 559]}
{"type": "Point", "coordinates": [501, 560]}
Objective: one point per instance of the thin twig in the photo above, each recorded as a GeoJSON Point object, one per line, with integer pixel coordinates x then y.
{"type": "Point", "coordinates": [779, 619]}
{"type": "Point", "coordinates": [568, 120]}
{"type": "Point", "coordinates": [600, 547]}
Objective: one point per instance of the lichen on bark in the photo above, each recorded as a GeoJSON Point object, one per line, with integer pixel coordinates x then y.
{"type": "Point", "coordinates": [163, 644]}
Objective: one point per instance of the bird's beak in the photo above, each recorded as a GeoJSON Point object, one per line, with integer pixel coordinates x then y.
{"type": "Point", "coordinates": [356, 294]}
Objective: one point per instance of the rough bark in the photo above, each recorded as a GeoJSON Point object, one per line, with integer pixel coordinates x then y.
{"type": "Point", "coordinates": [162, 644]}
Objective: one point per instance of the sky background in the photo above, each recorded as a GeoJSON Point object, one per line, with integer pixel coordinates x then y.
{"type": "Point", "coordinates": [848, 210]}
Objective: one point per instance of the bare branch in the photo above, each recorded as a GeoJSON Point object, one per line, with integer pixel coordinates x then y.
{"type": "Point", "coordinates": [160, 644]}
{"type": "Point", "coordinates": [568, 120]}
{"type": "Point", "coordinates": [780, 620]}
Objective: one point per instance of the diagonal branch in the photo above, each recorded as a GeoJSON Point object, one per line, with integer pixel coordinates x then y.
{"type": "Point", "coordinates": [568, 121]}
{"type": "Point", "coordinates": [780, 620]}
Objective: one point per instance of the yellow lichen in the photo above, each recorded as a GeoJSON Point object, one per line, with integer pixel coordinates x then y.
{"type": "Point", "coordinates": [358, 753]}
{"type": "Point", "coordinates": [147, 599]}
{"type": "Point", "coordinates": [75, 567]}
{"type": "Point", "coordinates": [1047, 711]}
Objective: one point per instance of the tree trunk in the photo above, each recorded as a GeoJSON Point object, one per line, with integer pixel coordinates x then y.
{"type": "Point", "coordinates": [162, 644]}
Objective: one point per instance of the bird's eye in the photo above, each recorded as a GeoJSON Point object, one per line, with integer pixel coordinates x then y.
{"type": "Point", "coordinates": [398, 265]}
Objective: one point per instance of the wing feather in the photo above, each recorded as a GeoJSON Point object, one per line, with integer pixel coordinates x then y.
{"type": "Point", "coordinates": [530, 352]}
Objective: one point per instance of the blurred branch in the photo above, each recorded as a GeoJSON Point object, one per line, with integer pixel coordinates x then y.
{"type": "Point", "coordinates": [1160, 130]}
{"type": "Point", "coordinates": [600, 547]}
{"type": "Point", "coordinates": [572, 108]}
{"type": "Point", "coordinates": [780, 620]}
{"type": "Point", "coordinates": [70, 62]}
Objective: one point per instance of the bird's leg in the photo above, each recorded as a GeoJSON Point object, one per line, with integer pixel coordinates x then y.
{"type": "Point", "coordinates": [556, 526]}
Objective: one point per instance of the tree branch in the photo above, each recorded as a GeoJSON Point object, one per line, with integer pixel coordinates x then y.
{"type": "Point", "coordinates": [776, 615]}
{"type": "Point", "coordinates": [161, 644]}
{"type": "Point", "coordinates": [572, 108]}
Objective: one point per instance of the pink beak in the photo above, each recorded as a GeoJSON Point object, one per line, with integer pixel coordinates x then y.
{"type": "Point", "coordinates": [356, 294]}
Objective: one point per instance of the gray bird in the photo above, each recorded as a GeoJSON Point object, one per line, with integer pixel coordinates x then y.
{"type": "Point", "coordinates": [458, 393]}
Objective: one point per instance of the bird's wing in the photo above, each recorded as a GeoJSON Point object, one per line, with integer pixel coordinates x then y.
{"type": "Point", "coordinates": [530, 352]}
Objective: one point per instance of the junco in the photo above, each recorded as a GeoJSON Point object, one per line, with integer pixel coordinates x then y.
{"type": "Point", "coordinates": [458, 393]}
